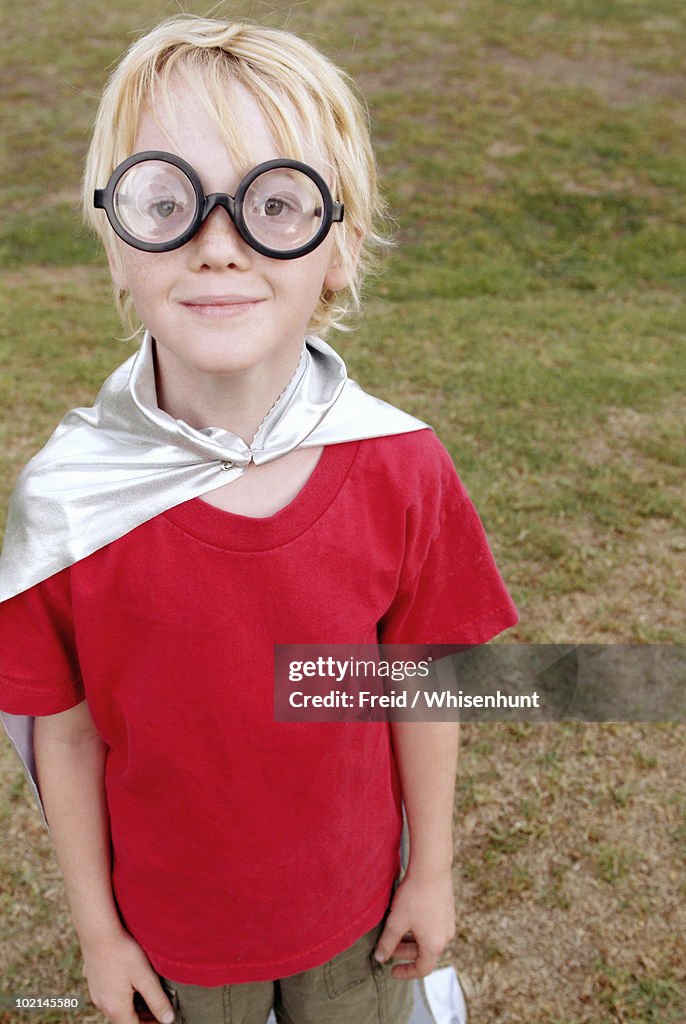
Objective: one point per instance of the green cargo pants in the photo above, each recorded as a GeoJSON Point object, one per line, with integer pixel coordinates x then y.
{"type": "Point", "coordinates": [352, 988]}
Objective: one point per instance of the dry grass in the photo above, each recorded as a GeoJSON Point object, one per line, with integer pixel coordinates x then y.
{"type": "Point", "coordinates": [570, 849]}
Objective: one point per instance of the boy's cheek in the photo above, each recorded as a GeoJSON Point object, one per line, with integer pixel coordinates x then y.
{"type": "Point", "coordinates": [338, 276]}
{"type": "Point", "coordinates": [130, 268]}
{"type": "Point", "coordinates": [117, 271]}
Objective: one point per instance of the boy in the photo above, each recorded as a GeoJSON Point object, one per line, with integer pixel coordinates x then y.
{"type": "Point", "coordinates": [230, 490]}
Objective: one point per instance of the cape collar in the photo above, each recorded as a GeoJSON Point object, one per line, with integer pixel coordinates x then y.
{"type": "Point", "coordinates": [129, 404]}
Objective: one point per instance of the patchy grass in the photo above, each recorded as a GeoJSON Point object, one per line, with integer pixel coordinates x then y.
{"type": "Point", "coordinates": [533, 311]}
{"type": "Point", "coordinates": [569, 879]}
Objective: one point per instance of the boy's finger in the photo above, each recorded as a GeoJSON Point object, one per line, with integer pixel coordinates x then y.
{"type": "Point", "coordinates": [152, 1004]}
{"type": "Point", "coordinates": [422, 966]}
{"type": "Point", "coordinates": [406, 951]}
{"type": "Point", "coordinates": [390, 938]}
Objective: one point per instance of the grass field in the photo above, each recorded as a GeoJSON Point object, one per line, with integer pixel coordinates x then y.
{"type": "Point", "coordinates": [534, 157]}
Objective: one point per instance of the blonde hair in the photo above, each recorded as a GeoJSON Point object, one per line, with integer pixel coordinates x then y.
{"type": "Point", "coordinates": [286, 75]}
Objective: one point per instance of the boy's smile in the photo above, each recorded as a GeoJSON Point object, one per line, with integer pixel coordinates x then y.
{"type": "Point", "coordinates": [221, 305]}
{"type": "Point", "coordinates": [228, 322]}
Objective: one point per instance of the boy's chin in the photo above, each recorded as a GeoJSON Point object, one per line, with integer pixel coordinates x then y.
{"type": "Point", "coordinates": [226, 354]}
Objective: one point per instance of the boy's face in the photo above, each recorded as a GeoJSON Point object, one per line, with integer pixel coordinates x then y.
{"type": "Point", "coordinates": [215, 305]}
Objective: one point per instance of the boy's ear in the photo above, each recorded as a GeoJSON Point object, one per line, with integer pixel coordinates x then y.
{"type": "Point", "coordinates": [337, 277]}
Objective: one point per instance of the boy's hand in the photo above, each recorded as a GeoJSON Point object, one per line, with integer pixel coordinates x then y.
{"type": "Point", "coordinates": [116, 968]}
{"type": "Point", "coordinates": [419, 926]}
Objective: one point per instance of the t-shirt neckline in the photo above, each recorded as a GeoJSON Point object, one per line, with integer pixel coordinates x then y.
{"type": "Point", "coordinates": [232, 531]}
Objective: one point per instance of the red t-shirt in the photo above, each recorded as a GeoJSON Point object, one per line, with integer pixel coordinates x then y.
{"type": "Point", "coordinates": [246, 849]}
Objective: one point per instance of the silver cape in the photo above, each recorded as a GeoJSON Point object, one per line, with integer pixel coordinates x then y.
{"type": "Point", "coordinates": [109, 468]}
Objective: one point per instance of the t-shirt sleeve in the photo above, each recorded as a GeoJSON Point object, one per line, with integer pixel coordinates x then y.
{"type": "Point", "coordinates": [450, 590]}
{"type": "Point", "coordinates": [39, 671]}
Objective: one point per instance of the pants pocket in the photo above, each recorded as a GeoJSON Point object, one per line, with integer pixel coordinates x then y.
{"type": "Point", "coordinates": [353, 966]}
{"type": "Point", "coordinates": [195, 1004]}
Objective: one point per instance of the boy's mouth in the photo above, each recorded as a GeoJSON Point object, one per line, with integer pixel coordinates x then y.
{"type": "Point", "coordinates": [221, 305]}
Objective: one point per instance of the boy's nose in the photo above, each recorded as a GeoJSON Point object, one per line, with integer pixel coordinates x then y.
{"type": "Point", "coordinates": [218, 242]}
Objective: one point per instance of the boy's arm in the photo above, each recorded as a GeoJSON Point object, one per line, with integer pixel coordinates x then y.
{"type": "Point", "coordinates": [70, 759]}
{"type": "Point", "coordinates": [426, 757]}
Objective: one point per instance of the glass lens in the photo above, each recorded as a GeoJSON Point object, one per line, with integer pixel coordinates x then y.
{"type": "Point", "coordinates": [283, 209]}
{"type": "Point", "coordinates": [154, 201]}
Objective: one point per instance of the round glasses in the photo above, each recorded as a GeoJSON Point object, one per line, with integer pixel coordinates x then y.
{"type": "Point", "coordinates": [155, 202]}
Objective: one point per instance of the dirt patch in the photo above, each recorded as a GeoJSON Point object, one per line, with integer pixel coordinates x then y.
{"type": "Point", "coordinates": [643, 589]}
{"type": "Point", "coordinates": [646, 592]}
{"type": "Point", "coordinates": [614, 81]}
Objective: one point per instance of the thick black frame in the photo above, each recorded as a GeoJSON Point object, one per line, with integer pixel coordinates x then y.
{"type": "Point", "coordinates": [103, 199]}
